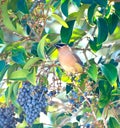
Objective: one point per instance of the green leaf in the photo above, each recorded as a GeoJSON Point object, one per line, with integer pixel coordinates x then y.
{"type": "Point", "coordinates": [38, 125]}
{"type": "Point", "coordinates": [112, 22]}
{"type": "Point", "coordinates": [79, 117]}
{"type": "Point", "coordinates": [31, 77]}
{"type": "Point", "coordinates": [64, 7]}
{"type": "Point", "coordinates": [5, 17]}
{"type": "Point", "coordinates": [8, 93]}
{"type": "Point", "coordinates": [94, 45]}
{"type": "Point", "coordinates": [19, 55]}
{"type": "Point", "coordinates": [117, 8]}
{"type": "Point", "coordinates": [60, 20]}
{"type": "Point", "coordinates": [31, 62]}
{"type": "Point", "coordinates": [93, 72]}
{"type": "Point", "coordinates": [68, 88]}
{"type": "Point", "coordinates": [113, 123]}
{"type": "Point", "coordinates": [102, 30]}
{"type": "Point", "coordinates": [66, 33]}
{"type": "Point", "coordinates": [102, 2]}
{"type": "Point", "coordinates": [11, 69]}
{"type": "Point", "coordinates": [104, 100]}
{"type": "Point", "coordinates": [34, 49]}
{"type": "Point", "coordinates": [87, 1]}
{"type": "Point", "coordinates": [105, 88]}
{"type": "Point", "coordinates": [40, 48]}
{"type": "Point", "coordinates": [19, 75]}
{"type": "Point", "coordinates": [1, 36]}
{"type": "Point", "coordinates": [77, 2]}
{"type": "Point", "coordinates": [3, 68]}
{"type": "Point", "coordinates": [22, 6]}
{"type": "Point", "coordinates": [110, 72]}
{"type": "Point", "coordinates": [91, 11]}
{"type": "Point", "coordinates": [77, 34]}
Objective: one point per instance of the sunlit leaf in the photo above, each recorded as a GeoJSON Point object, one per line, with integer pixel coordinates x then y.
{"type": "Point", "coordinates": [93, 72]}
{"type": "Point", "coordinates": [40, 48]}
{"type": "Point", "coordinates": [31, 62]}
{"type": "Point", "coordinates": [110, 73]}
{"type": "Point", "coordinates": [113, 123]}
{"type": "Point", "coordinates": [60, 20]}
{"type": "Point", "coordinates": [19, 75]}
{"type": "Point", "coordinates": [31, 77]}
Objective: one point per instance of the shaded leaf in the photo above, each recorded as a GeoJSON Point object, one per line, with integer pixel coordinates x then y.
{"type": "Point", "coordinates": [112, 22]}
{"type": "Point", "coordinates": [19, 55]}
{"type": "Point", "coordinates": [110, 73]}
{"type": "Point", "coordinates": [34, 49]}
{"type": "Point", "coordinates": [3, 68]}
{"type": "Point", "coordinates": [77, 2]}
{"type": "Point", "coordinates": [64, 7]}
{"type": "Point", "coordinates": [38, 125]}
{"type": "Point", "coordinates": [91, 11]}
{"type": "Point", "coordinates": [87, 1]}
{"type": "Point", "coordinates": [94, 45]}
{"type": "Point", "coordinates": [66, 33]}
{"type": "Point", "coordinates": [68, 88]}
{"type": "Point", "coordinates": [60, 20]}
{"type": "Point", "coordinates": [102, 2]}
{"type": "Point", "coordinates": [102, 30]}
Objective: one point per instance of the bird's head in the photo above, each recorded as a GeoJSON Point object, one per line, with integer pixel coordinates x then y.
{"type": "Point", "coordinates": [59, 45]}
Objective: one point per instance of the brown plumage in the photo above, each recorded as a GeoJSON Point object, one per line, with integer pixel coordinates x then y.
{"type": "Point", "coordinates": [68, 60]}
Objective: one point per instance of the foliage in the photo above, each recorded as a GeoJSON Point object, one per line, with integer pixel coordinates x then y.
{"type": "Point", "coordinates": [28, 31]}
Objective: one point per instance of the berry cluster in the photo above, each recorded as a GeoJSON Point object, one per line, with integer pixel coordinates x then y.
{"type": "Point", "coordinates": [33, 101]}
{"type": "Point", "coordinates": [7, 119]}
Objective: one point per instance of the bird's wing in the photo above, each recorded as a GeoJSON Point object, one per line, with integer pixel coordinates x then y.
{"type": "Point", "coordinates": [78, 59]}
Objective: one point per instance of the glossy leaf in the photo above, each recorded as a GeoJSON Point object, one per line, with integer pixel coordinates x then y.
{"type": "Point", "coordinates": [38, 125]}
{"type": "Point", "coordinates": [60, 20]}
{"type": "Point", "coordinates": [87, 1]}
{"type": "Point", "coordinates": [110, 72]}
{"type": "Point", "coordinates": [3, 69]}
{"type": "Point", "coordinates": [104, 100]}
{"type": "Point", "coordinates": [102, 2]}
{"type": "Point", "coordinates": [77, 34]}
{"type": "Point", "coordinates": [91, 11]}
{"type": "Point", "coordinates": [22, 6]}
{"type": "Point", "coordinates": [102, 30]}
{"type": "Point", "coordinates": [40, 48]}
{"type": "Point", "coordinates": [8, 93]}
{"type": "Point", "coordinates": [117, 8]}
{"type": "Point", "coordinates": [112, 22]}
{"type": "Point", "coordinates": [94, 45]}
{"type": "Point", "coordinates": [34, 49]}
{"type": "Point", "coordinates": [31, 62]}
{"type": "Point", "coordinates": [66, 33]}
{"type": "Point", "coordinates": [64, 7]}
{"type": "Point", "coordinates": [19, 75]}
{"type": "Point", "coordinates": [77, 2]}
{"type": "Point", "coordinates": [93, 72]}
{"type": "Point", "coordinates": [113, 123]}
{"type": "Point", "coordinates": [19, 55]}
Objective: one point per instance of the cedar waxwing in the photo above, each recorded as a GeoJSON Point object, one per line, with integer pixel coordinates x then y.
{"type": "Point", "coordinates": [69, 61]}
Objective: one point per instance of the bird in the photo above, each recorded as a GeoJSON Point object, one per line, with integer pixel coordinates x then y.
{"type": "Point", "coordinates": [69, 61]}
